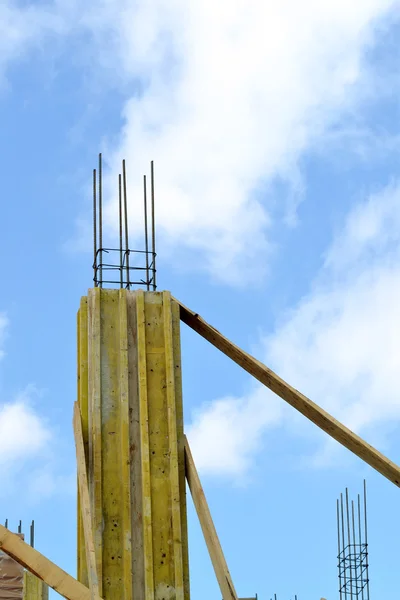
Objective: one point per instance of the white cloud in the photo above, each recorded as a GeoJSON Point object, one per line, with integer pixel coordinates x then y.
{"type": "Point", "coordinates": [45, 482]}
{"type": "Point", "coordinates": [233, 95]}
{"type": "Point", "coordinates": [225, 434]}
{"type": "Point", "coordinates": [25, 27]}
{"type": "Point", "coordinates": [227, 98]}
{"type": "Point", "coordinates": [31, 457]}
{"type": "Point", "coordinates": [339, 345]}
{"type": "Point", "coordinates": [23, 433]}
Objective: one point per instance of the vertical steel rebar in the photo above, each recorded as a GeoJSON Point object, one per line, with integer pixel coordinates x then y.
{"type": "Point", "coordinates": [348, 543]}
{"type": "Point", "coordinates": [359, 541]}
{"type": "Point", "coordinates": [33, 534]}
{"type": "Point", "coordinates": [366, 537]}
{"type": "Point", "coordinates": [6, 524]}
{"type": "Point", "coordinates": [146, 233]}
{"type": "Point", "coordinates": [153, 227]}
{"type": "Point", "coordinates": [126, 224]}
{"type": "Point", "coordinates": [94, 229]}
{"type": "Point", "coordinates": [344, 554]}
{"type": "Point", "coordinates": [121, 273]}
{"type": "Point", "coordinates": [101, 220]}
{"type": "Point", "coordinates": [339, 549]}
{"type": "Point", "coordinates": [354, 546]}
{"type": "Point", "coordinates": [124, 252]}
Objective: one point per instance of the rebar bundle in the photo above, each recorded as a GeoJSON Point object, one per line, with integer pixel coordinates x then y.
{"type": "Point", "coordinates": [124, 267]}
{"type": "Point", "coordinates": [353, 547]}
{"type": "Point", "coordinates": [32, 531]}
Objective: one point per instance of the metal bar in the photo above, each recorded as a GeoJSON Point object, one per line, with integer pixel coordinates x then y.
{"type": "Point", "coordinates": [354, 545]}
{"type": "Point", "coordinates": [339, 549]}
{"type": "Point", "coordinates": [359, 540]}
{"type": "Point", "coordinates": [94, 228]}
{"type": "Point", "coordinates": [32, 534]}
{"type": "Point", "coordinates": [348, 542]}
{"type": "Point", "coordinates": [344, 553]}
{"type": "Point", "coordinates": [366, 536]}
{"type": "Point", "coordinates": [6, 524]}
{"type": "Point", "coordinates": [153, 227]}
{"type": "Point", "coordinates": [146, 233]}
{"type": "Point", "coordinates": [126, 224]}
{"type": "Point", "coordinates": [101, 219]}
{"type": "Point", "coordinates": [20, 527]}
{"type": "Point", "coordinates": [116, 249]}
{"type": "Point", "coordinates": [120, 231]}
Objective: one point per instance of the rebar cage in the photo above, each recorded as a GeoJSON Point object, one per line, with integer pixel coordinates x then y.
{"type": "Point", "coordinates": [352, 557]}
{"type": "Point", "coordinates": [122, 267]}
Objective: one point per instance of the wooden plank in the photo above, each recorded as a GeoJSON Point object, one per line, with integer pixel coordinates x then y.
{"type": "Point", "coordinates": [145, 449]}
{"type": "Point", "coordinates": [309, 409]}
{"type": "Point", "coordinates": [138, 573]}
{"type": "Point", "coordinates": [173, 448]}
{"type": "Point", "coordinates": [95, 454]}
{"type": "Point", "coordinates": [181, 443]}
{"type": "Point", "coordinates": [210, 535]}
{"type": "Point", "coordinates": [82, 326]}
{"type": "Point", "coordinates": [159, 448]}
{"type": "Point", "coordinates": [85, 502]}
{"type": "Point", "coordinates": [124, 446]}
{"type": "Point", "coordinates": [109, 475]}
{"type": "Point", "coordinates": [43, 568]}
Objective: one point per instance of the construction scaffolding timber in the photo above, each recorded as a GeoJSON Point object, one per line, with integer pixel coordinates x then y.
{"type": "Point", "coordinates": [352, 533]}
{"type": "Point", "coordinates": [17, 583]}
{"type": "Point", "coordinates": [133, 458]}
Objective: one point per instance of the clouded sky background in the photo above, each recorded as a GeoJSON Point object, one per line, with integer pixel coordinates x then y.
{"type": "Point", "coordinates": [275, 131]}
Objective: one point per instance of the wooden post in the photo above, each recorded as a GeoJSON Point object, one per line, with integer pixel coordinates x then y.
{"type": "Point", "coordinates": [130, 369]}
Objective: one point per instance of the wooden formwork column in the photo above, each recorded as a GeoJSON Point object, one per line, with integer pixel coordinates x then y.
{"type": "Point", "coordinates": [34, 588]}
{"type": "Point", "coordinates": [131, 407]}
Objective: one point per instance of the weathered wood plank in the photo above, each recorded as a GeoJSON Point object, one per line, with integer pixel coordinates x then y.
{"type": "Point", "coordinates": [210, 535]}
{"type": "Point", "coordinates": [85, 502]}
{"type": "Point", "coordinates": [43, 568]}
{"type": "Point", "coordinates": [304, 405]}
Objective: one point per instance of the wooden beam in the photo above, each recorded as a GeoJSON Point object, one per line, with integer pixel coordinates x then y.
{"type": "Point", "coordinates": [85, 502]}
{"type": "Point", "coordinates": [43, 568]}
{"type": "Point", "coordinates": [210, 535]}
{"type": "Point", "coordinates": [309, 409]}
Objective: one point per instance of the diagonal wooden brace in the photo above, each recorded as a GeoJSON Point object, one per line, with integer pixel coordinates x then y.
{"type": "Point", "coordinates": [210, 535]}
{"type": "Point", "coordinates": [85, 502]}
{"type": "Point", "coordinates": [43, 568]}
{"type": "Point", "coordinates": [304, 405]}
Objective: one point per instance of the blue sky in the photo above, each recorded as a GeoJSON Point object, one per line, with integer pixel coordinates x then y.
{"type": "Point", "coordinates": [275, 132]}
